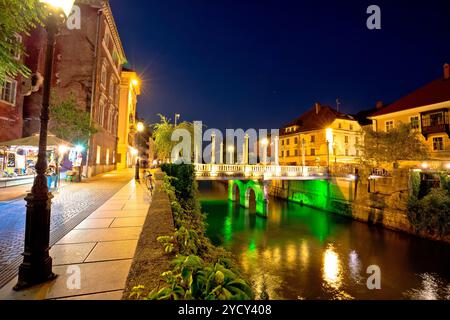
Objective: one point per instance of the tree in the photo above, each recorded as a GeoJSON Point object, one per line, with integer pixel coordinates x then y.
{"type": "Point", "coordinates": [400, 143]}
{"type": "Point", "coordinates": [16, 17]}
{"type": "Point", "coordinates": [69, 122]}
{"type": "Point", "coordinates": [162, 133]}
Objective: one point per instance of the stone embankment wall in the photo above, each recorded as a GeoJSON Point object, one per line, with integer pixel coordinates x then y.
{"type": "Point", "coordinates": [150, 260]}
{"type": "Point", "coordinates": [381, 202]}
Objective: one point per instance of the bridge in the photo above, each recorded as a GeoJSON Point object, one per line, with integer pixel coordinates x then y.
{"type": "Point", "coordinates": [247, 183]}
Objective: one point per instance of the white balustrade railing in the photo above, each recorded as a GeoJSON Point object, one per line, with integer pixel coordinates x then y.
{"type": "Point", "coordinates": [257, 171]}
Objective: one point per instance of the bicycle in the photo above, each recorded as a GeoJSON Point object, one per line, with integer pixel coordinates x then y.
{"type": "Point", "coordinates": [149, 181]}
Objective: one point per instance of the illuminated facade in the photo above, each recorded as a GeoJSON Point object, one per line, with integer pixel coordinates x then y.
{"type": "Point", "coordinates": [426, 110]}
{"type": "Point", "coordinates": [320, 135]}
{"type": "Point", "coordinates": [130, 89]}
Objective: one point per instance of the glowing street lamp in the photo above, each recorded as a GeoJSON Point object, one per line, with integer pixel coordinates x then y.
{"type": "Point", "coordinates": [135, 82]}
{"type": "Point", "coordinates": [37, 263]}
{"type": "Point", "coordinates": [140, 128]}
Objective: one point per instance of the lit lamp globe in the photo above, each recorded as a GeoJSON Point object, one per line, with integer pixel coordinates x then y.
{"type": "Point", "coordinates": [62, 149]}
{"type": "Point", "coordinates": [61, 7]}
{"type": "Point", "coordinates": [140, 127]}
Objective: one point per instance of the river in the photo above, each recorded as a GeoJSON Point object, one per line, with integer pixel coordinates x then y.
{"type": "Point", "coordinates": [302, 253]}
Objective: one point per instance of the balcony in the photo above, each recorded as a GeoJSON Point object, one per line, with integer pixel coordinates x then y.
{"type": "Point", "coordinates": [435, 122]}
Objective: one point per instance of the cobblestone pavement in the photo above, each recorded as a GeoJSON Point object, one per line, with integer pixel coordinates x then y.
{"type": "Point", "coordinates": [70, 206]}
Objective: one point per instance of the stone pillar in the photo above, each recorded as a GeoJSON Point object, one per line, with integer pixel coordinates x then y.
{"type": "Point", "coordinates": [213, 148]}
{"type": "Point", "coordinates": [246, 149]}
{"type": "Point", "coordinates": [276, 150]}
{"type": "Point", "coordinates": [221, 153]}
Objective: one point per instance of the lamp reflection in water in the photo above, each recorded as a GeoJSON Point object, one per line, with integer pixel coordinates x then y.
{"type": "Point", "coordinates": [331, 268]}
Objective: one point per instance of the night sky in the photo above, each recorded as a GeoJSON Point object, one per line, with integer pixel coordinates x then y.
{"type": "Point", "coordinates": [261, 63]}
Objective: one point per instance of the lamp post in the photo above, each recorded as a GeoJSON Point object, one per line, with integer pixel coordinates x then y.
{"type": "Point", "coordinates": [177, 116]}
{"type": "Point", "coordinates": [139, 128]}
{"type": "Point", "coordinates": [37, 264]}
{"type": "Point", "coordinates": [231, 151]}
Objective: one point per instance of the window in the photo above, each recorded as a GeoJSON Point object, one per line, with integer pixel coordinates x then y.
{"type": "Point", "coordinates": [296, 141]}
{"type": "Point", "coordinates": [15, 49]}
{"type": "Point", "coordinates": [414, 122]}
{"type": "Point", "coordinates": [351, 127]}
{"type": "Point", "coordinates": [313, 139]}
{"type": "Point", "coordinates": [346, 139]}
{"type": "Point", "coordinates": [296, 152]}
{"type": "Point", "coordinates": [287, 141]}
{"type": "Point", "coordinates": [389, 125]}
{"type": "Point", "coordinates": [356, 141]}
{"type": "Point", "coordinates": [282, 154]}
{"type": "Point", "coordinates": [103, 76]}
{"type": "Point", "coordinates": [438, 144]}
{"type": "Point", "coordinates": [340, 125]}
{"type": "Point", "coordinates": [282, 142]}
{"type": "Point", "coordinates": [111, 88]}
{"type": "Point", "coordinates": [346, 152]}
{"type": "Point", "coordinates": [107, 156]}
{"type": "Point", "coordinates": [101, 113]}
{"type": "Point", "coordinates": [99, 154]}
{"type": "Point", "coordinates": [313, 152]}
{"type": "Point", "coordinates": [287, 153]}
{"type": "Point", "coordinates": [8, 91]}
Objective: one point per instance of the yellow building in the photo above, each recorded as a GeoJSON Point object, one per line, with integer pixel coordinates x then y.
{"type": "Point", "coordinates": [320, 135]}
{"type": "Point", "coordinates": [427, 110]}
{"type": "Point", "coordinates": [130, 89]}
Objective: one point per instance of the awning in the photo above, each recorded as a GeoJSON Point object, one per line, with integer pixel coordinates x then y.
{"type": "Point", "coordinates": [33, 141]}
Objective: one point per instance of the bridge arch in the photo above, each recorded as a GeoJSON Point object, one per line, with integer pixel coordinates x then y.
{"type": "Point", "coordinates": [247, 191]}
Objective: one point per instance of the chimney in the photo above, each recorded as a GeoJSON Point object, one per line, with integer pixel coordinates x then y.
{"type": "Point", "coordinates": [317, 107]}
{"type": "Point", "coordinates": [446, 71]}
{"type": "Point", "coordinates": [379, 105]}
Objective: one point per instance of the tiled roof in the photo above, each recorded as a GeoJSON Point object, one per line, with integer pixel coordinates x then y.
{"type": "Point", "coordinates": [432, 93]}
{"type": "Point", "coordinates": [313, 120]}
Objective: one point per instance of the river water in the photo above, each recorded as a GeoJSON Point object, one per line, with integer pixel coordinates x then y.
{"type": "Point", "coordinates": [303, 253]}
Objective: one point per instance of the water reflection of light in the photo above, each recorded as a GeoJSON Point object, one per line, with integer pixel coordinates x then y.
{"type": "Point", "coordinates": [354, 265]}
{"type": "Point", "coordinates": [304, 254]}
{"type": "Point", "coordinates": [291, 251]}
{"type": "Point", "coordinates": [331, 268]}
{"type": "Point", "coordinates": [276, 256]}
{"type": "Point", "coordinates": [432, 289]}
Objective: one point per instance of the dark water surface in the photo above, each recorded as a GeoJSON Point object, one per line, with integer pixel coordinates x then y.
{"type": "Point", "coordinates": [303, 253]}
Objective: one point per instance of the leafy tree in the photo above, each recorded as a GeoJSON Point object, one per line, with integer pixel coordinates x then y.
{"type": "Point", "coordinates": [16, 17]}
{"type": "Point", "coordinates": [162, 134]}
{"type": "Point", "coordinates": [69, 122]}
{"type": "Point", "coordinates": [400, 143]}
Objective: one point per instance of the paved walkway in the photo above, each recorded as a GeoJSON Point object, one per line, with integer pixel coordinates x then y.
{"type": "Point", "coordinates": [70, 206]}
{"type": "Point", "coordinates": [93, 260]}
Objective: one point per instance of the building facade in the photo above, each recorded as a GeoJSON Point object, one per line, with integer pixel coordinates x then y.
{"type": "Point", "coordinates": [11, 101]}
{"type": "Point", "coordinates": [87, 64]}
{"type": "Point", "coordinates": [426, 110]}
{"type": "Point", "coordinates": [321, 136]}
{"type": "Point", "coordinates": [130, 89]}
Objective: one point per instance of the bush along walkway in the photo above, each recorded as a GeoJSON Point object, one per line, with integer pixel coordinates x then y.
{"type": "Point", "coordinates": [199, 271]}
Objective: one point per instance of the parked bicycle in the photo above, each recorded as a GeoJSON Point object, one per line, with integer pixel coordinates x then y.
{"type": "Point", "coordinates": [149, 180]}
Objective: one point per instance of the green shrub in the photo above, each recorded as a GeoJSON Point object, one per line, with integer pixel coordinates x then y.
{"type": "Point", "coordinates": [431, 214]}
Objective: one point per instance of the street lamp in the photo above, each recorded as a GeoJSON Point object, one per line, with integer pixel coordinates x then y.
{"type": "Point", "coordinates": [177, 116]}
{"type": "Point", "coordinates": [37, 263]}
{"type": "Point", "coordinates": [139, 128]}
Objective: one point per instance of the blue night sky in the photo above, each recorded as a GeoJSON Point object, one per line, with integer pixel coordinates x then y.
{"type": "Point", "coordinates": [261, 63]}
